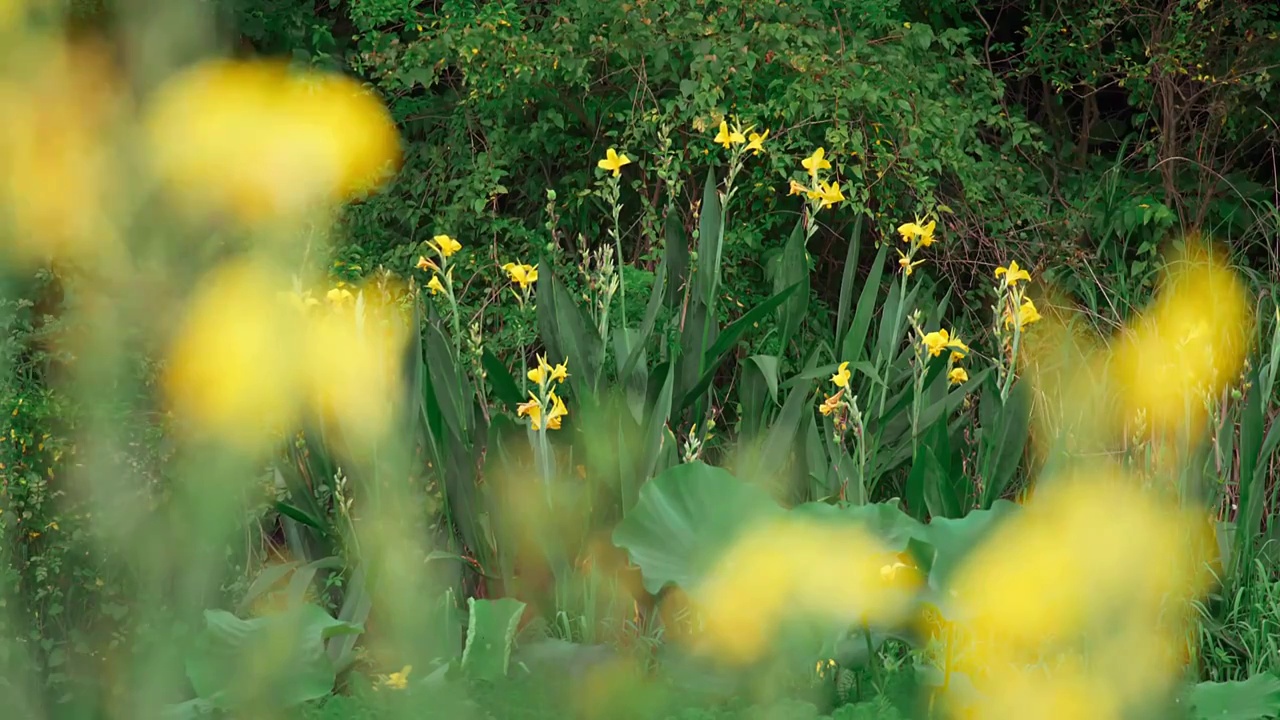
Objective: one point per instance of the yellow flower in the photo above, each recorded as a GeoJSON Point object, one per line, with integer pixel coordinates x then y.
{"type": "Point", "coordinates": [797, 189]}
{"type": "Point", "coordinates": [444, 245]}
{"type": "Point", "coordinates": [232, 359]}
{"type": "Point", "coordinates": [522, 275]}
{"type": "Point", "coordinates": [542, 373]}
{"type": "Point", "coordinates": [1027, 314]}
{"type": "Point", "coordinates": [832, 403]}
{"type": "Point", "coordinates": [913, 230]}
{"type": "Point", "coordinates": [958, 376]}
{"type": "Point", "coordinates": [434, 285]}
{"type": "Point", "coordinates": [55, 175]}
{"type": "Point", "coordinates": [613, 162]}
{"type": "Point", "coordinates": [398, 680]}
{"type": "Point", "coordinates": [1015, 273]}
{"type": "Point", "coordinates": [815, 162]}
{"type": "Point", "coordinates": [338, 296]}
{"type": "Point", "coordinates": [560, 373]}
{"type": "Point", "coordinates": [426, 264]}
{"type": "Point", "coordinates": [531, 409]}
{"type": "Point", "coordinates": [841, 378]}
{"type": "Point", "coordinates": [907, 265]}
{"type": "Point", "coordinates": [957, 355]}
{"type": "Point", "coordinates": [557, 412]}
{"type": "Point", "coordinates": [261, 141]}
{"type": "Point", "coordinates": [727, 138]}
{"type": "Point", "coordinates": [936, 342]}
{"type": "Point", "coordinates": [828, 194]}
{"type": "Point", "coordinates": [757, 141]}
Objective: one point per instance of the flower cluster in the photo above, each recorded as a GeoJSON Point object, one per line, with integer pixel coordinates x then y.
{"type": "Point", "coordinates": [935, 343]}
{"type": "Point", "coordinates": [916, 235]}
{"type": "Point", "coordinates": [821, 193]}
{"type": "Point", "coordinates": [545, 403]}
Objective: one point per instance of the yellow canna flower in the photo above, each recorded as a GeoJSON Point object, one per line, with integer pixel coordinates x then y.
{"type": "Point", "coordinates": [434, 285]}
{"type": "Point", "coordinates": [398, 680]}
{"type": "Point", "coordinates": [1027, 314]}
{"type": "Point", "coordinates": [531, 409]}
{"type": "Point", "coordinates": [542, 373]}
{"type": "Point", "coordinates": [958, 376]}
{"type": "Point", "coordinates": [727, 138]}
{"type": "Point", "coordinates": [915, 231]}
{"type": "Point", "coordinates": [56, 117]}
{"type": "Point", "coordinates": [907, 265]}
{"type": "Point", "coordinates": [232, 359]}
{"type": "Point", "coordinates": [842, 376]}
{"type": "Point", "coordinates": [613, 162]}
{"type": "Point", "coordinates": [560, 373]}
{"type": "Point", "coordinates": [797, 189]}
{"type": "Point", "coordinates": [1014, 273]}
{"type": "Point", "coordinates": [338, 296]}
{"type": "Point", "coordinates": [831, 403]}
{"type": "Point", "coordinates": [557, 412]}
{"type": "Point", "coordinates": [260, 141]}
{"type": "Point", "coordinates": [426, 264]}
{"type": "Point", "coordinates": [522, 275]}
{"type": "Point", "coordinates": [815, 162]}
{"type": "Point", "coordinates": [936, 342]}
{"type": "Point", "coordinates": [757, 141]}
{"type": "Point", "coordinates": [444, 245]}
{"type": "Point", "coordinates": [828, 194]}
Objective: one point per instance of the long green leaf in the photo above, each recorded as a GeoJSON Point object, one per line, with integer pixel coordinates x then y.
{"type": "Point", "coordinates": [854, 344]}
{"type": "Point", "coordinates": [710, 241]}
{"type": "Point", "coordinates": [846, 280]}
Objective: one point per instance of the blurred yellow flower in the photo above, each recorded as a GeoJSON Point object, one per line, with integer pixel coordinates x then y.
{"type": "Point", "coordinates": [613, 162]}
{"type": "Point", "coordinates": [1190, 343]}
{"type": "Point", "coordinates": [841, 378]}
{"type": "Point", "coordinates": [756, 144]}
{"type": "Point", "coordinates": [793, 568]}
{"type": "Point", "coordinates": [958, 376]}
{"type": "Point", "coordinates": [1015, 273]}
{"type": "Point", "coordinates": [1027, 314]}
{"type": "Point", "coordinates": [816, 162]}
{"type": "Point", "coordinates": [260, 141]}
{"type": "Point", "coordinates": [797, 189]}
{"type": "Point", "coordinates": [936, 342]}
{"type": "Point", "coordinates": [425, 264]}
{"type": "Point", "coordinates": [338, 296]}
{"type": "Point", "coordinates": [522, 275]}
{"type": "Point", "coordinates": [907, 265]}
{"type": "Point", "coordinates": [557, 412]}
{"type": "Point", "coordinates": [727, 138]}
{"type": "Point", "coordinates": [434, 285]}
{"type": "Point", "coordinates": [398, 680]}
{"type": "Point", "coordinates": [444, 245]}
{"type": "Point", "coordinates": [56, 175]}
{"type": "Point", "coordinates": [231, 372]}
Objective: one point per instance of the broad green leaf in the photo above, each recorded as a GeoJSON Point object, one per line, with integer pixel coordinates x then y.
{"type": "Point", "coordinates": [277, 661]}
{"type": "Point", "coordinates": [885, 519]}
{"type": "Point", "coordinates": [686, 518]}
{"type": "Point", "coordinates": [794, 271]}
{"type": "Point", "coordinates": [854, 345]}
{"type": "Point", "coordinates": [640, 339]}
{"type": "Point", "coordinates": [1005, 430]}
{"type": "Point", "coordinates": [500, 379]}
{"type": "Point", "coordinates": [491, 633]}
{"type": "Point", "coordinates": [1252, 699]}
{"type": "Point", "coordinates": [847, 278]}
{"type": "Point", "coordinates": [676, 259]}
{"type": "Point", "coordinates": [952, 538]}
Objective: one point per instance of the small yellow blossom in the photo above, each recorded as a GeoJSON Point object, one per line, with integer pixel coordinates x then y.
{"type": "Point", "coordinates": [828, 194]}
{"type": "Point", "coordinates": [444, 245]}
{"type": "Point", "coordinates": [936, 342]}
{"type": "Point", "coordinates": [613, 162]}
{"type": "Point", "coordinates": [434, 285]}
{"type": "Point", "coordinates": [958, 376]}
{"type": "Point", "coordinates": [797, 189]}
{"type": "Point", "coordinates": [338, 296]}
{"type": "Point", "coordinates": [1015, 274]}
{"type": "Point", "coordinates": [557, 412]}
{"type": "Point", "coordinates": [1027, 314]}
{"type": "Point", "coordinates": [727, 138]}
{"type": "Point", "coordinates": [832, 403]}
{"type": "Point", "coordinates": [398, 680]}
{"type": "Point", "coordinates": [425, 264]}
{"type": "Point", "coordinates": [522, 275]}
{"type": "Point", "coordinates": [842, 376]}
{"type": "Point", "coordinates": [907, 265]}
{"type": "Point", "coordinates": [815, 162]}
{"type": "Point", "coordinates": [914, 230]}
{"type": "Point", "coordinates": [560, 373]}
{"type": "Point", "coordinates": [533, 410]}
{"type": "Point", "coordinates": [756, 144]}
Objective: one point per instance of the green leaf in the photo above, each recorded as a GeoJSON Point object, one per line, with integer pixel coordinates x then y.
{"type": "Point", "coordinates": [951, 539]}
{"type": "Point", "coordinates": [491, 633]}
{"type": "Point", "coordinates": [710, 241]}
{"type": "Point", "coordinates": [500, 379]}
{"type": "Point", "coordinates": [1252, 699]}
{"type": "Point", "coordinates": [846, 280]}
{"type": "Point", "coordinates": [854, 344]}
{"type": "Point", "coordinates": [676, 258]}
{"type": "Point", "coordinates": [686, 518]}
{"type": "Point", "coordinates": [277, 661]}
{"type": "Point", "coordinates": [885, 519]}
{"type": "Point", "coordinates": [637, 344]}
{"type": "Point", "coordinates": [794, 271]}
{"type": "Point", "coordinates": [1005, 430]}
